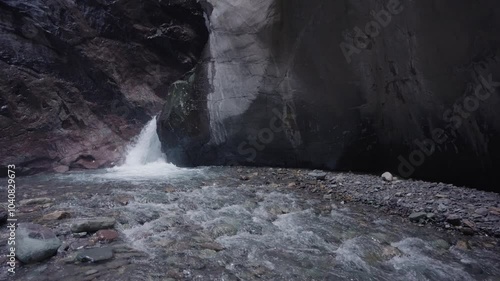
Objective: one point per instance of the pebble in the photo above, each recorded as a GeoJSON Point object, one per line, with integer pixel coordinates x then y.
{"type": "Point", "coordinates": [106, 235]}
{"type": "Point", "coordinates": [416, 217]}
{"type": "Point", "coordinates": [90, 272]}
{"type": "Point", "coordinates": [80, 234]}
{"type": "Point", "coordinates": [453, 220]}
{"type": "Point", "coordinates": [481, 211]}
{"type": "Point", "coordinates": [387, 176]}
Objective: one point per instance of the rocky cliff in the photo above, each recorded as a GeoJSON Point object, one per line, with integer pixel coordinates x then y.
{"type": "Point", "coordinates": [400, 85]}
{"type": "Point", "coordinates": [78, 79]}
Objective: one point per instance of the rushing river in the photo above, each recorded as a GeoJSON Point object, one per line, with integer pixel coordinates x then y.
{"type": "Point", "coordinates": [207, 224]}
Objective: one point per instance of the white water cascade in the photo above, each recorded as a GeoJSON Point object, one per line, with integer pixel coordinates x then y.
{"type": "Point", "coordinates": [144, 159]}
{"type": "Point", "coordinates": [146, 149]}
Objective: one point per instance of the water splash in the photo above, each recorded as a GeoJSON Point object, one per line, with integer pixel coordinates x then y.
{"type": "Point", "coordinates": [147, 148]}
{"type": "Point", "coordinates": [144, 159]}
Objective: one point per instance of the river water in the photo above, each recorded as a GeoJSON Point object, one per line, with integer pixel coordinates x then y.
{"type": "Point", "coordinates": [207, 224]}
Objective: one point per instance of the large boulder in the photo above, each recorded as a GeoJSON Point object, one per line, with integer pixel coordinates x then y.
{"type": "Point", "coordinates": [79, 79]}
{"type": "Point", "coordinates": [35, 243]}
{"type": "Point", "coordinates": [397, 85]}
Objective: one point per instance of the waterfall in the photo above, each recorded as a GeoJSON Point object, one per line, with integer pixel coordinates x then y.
{"type": "Point", "coordinates": [147, 147]}
{"type": "Point", "coordinates": [144, 159]}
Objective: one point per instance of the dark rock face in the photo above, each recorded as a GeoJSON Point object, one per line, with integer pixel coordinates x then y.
{"type": "Point", "coordinates": [78, 78]}
{"type": "Point", "coordinates": [403, 86]}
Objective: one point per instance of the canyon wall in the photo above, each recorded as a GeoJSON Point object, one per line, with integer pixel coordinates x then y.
{"type": "Point", "coordinates": [398, 85]}
{"type": "Point", "coordinates": [78, 79]}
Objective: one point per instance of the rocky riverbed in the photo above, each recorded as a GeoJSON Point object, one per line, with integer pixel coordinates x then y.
{"type": "Point", "coordinates": [252, 224]}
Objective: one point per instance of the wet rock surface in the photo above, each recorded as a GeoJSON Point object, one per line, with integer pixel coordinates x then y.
{"type": "Point", "coordinates": [304, 84]}
{"type": "Point", "coordinates": [279, 224]}
{"type": "Point", "coordinates": [35, 243]}
{"type": "Point", "coordinates": [78, 79]}
{"type": "Point", "coordinates": [92, 224]}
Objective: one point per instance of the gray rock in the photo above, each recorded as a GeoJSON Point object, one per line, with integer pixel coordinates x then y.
{"type": "Point", "coordinates": [319, 175]}
{"type": "Point", "coordinates": [416, 217]}
{"type": "Point", "coordinates": [441, 244]}
{"type": "Point", "coordinates": [387, 176]}
{"type": "Point", "coordinates": [35, 201]}
{"type": "Point", "coordinates": [92, 224]}
{"type": "Point", "coordinates": [481, 211]}
{"type": "Point", "coordinates": [442, 208]}
{"type": "Point", "coordinates": [95, 255]}
{"type": "Point", "coordinates": [35, 243]}
{"type": "Point", "coordinates": [454, 220]}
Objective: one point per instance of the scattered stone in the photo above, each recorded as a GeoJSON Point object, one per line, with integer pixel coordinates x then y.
{"type": "Point", "coordinates": [389, 252]}
{"type": "Point", "coordinates": [106, 235]}
{"type": "Point", "coordinates": [212, 246]}
{"type": "Point", "coordinates": [244, 178]}
{"type": "Point", "coordinates": [453, 220]}
{"type": "Point", "coordinates": [92, 225]}
{"type": "Point", "coordinates": [80, 244]}
{"type": "Point", "coordinates": [170, 189]}
{"type": "Point", "coordinates": [124, 200]}
{"type": "Point", "coordinates": [416, 217]}
{"type": "Point", "coordinates": [35, 201]}
{"type": "Point", "coordinates": [387, 176]}
{"type": "Point", "coordinates": [327, 196]}
{"type": "Point", "coordinates": [64, 247]}
{"type": "Point", "coordinates": [80, 234]}
{"type": "Point", "coordinates": [319, 175]}
{"type": "Point", "coordinates": [90, 272]}
{"type": "Point", "coordinates": [462, 245]}
{"type": "Point", "coordinates": [35, 243]}
{"type": "Point", "coordinates": [61, 169]}
{"type": "Point", "coordinates": [442, 208]}
{"type": "Point", "coordinates": [481, 211]}
{"type": "Point", "coordinates": [57, 215]}
{"type": "Point", "coordinates": [469, 224]}
{"type": "Point", "coordinates": [495, 211]}
{"type": "Point", "coordinates": [441, 244]}
{"type": "Point", "coordinates": [468, 231]}
{"type": "Point", "coordinates": [431, 216]}
{"type": "Point", "coordinates": [94, 255]}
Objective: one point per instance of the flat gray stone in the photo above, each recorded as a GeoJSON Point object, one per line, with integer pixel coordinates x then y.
{"type": "Point", "coordinates": [416, 217]}
{"type": "Point", "coordinates": [35, 243]}
{"type": "Point", "coordinates": [95, 255]}
{"type": "Point", "coordinates": [318, 175]}
{"type": "Point", "coordinates": [92, 224]}
{"type": "Point", "coordinates": [35, 201]}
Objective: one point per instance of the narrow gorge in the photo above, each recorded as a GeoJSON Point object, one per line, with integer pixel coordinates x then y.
{"type": "Point", "coordinates": [235, 140]}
